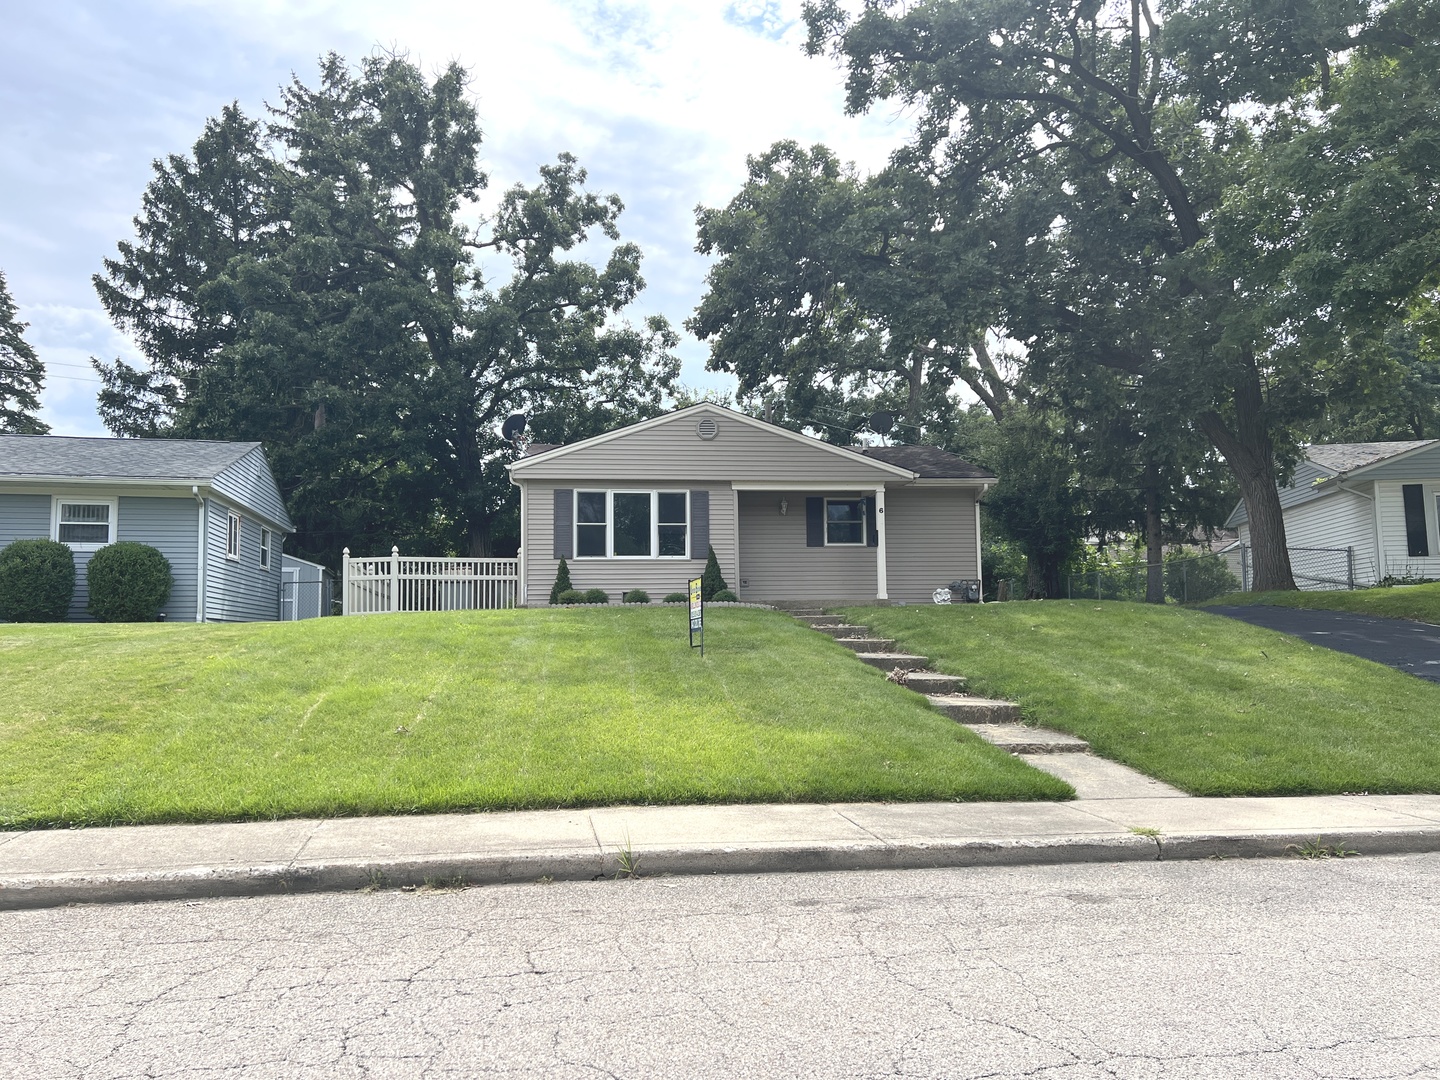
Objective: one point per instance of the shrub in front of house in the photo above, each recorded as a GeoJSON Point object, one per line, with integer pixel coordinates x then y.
{"type": "Point", "coordinates": [37, 580]}
{"type": "Point", "coordinates": [570, 596]}
{"type": "Point", "coordinates": [128, 582]}
{"type": "Point", "coordinates": [562, 584]}
{"type": "Point", "coordinates": [711, 581]}
{"type": "Point", "coordinates": [725, 596]}
{"type": "Point", "coordinates": [676, 598]}
{"type": "Point", "coordinates": [596, 596]}
{"type": "Point", "coordinates": [636, 596]}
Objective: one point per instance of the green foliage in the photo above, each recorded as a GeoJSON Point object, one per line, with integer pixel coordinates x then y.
{"type": "Point", "coordinates": [37, 580]}
{"type": "Point", "coordinates": [724, 596]}
{"type": "Point", "coordinates": [562, 583]}
{"type": "Point", "coordinates": [570, 596]}
{"type": "Point", "coordinates": [1418, 602]}
{"type": "Point", "coordinates": [22, 375]}
{"type": "Point", "coordinates": [636, 596]}
{"type": "Point", "coordinates": [1193, 579]}
{"type": "Point", "coordinates": [596, 596]}
{"type": "Point", "coordinates": [315, 283]}
{"type": "Point", "coordinates": [711, 580]}
{"type": "Point", "coordinates": [676, 598]}
{"type": "Point", "coordinates": [128, 582]}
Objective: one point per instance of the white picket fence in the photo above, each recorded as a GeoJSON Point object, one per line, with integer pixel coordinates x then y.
{"type": "Point", "coordinates": [418, 583]}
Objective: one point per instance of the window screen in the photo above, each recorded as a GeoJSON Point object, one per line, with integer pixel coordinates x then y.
{"type": "Point", "coordinates": [844, 521]}
{"type": "Point", "coordinates": [1417, 535]}
{"type": "Point", "coordinates": [84, 523]}
{"type": "Point", "coordinates": [590, 523]}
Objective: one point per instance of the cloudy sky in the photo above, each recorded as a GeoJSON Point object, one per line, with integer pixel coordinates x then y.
{"type": "Point", "coordinates": [660, 101]}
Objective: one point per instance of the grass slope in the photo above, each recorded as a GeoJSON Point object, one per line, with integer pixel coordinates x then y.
{"type": "Point", "coordinates": [1209, 704]}
{"type": "Point", "coordinates": [1419, 602]}
{"type": "Point", "coordinates": [425, 713]}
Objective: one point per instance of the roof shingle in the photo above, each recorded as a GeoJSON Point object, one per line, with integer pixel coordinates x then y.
{"type": "Point", "coordinates": [117, 459]}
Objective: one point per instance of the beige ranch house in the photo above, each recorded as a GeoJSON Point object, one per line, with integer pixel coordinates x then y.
{"type": "Point", "coordinates": [789, 517]}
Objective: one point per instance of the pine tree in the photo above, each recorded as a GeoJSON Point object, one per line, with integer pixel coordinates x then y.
{"type": "Point", "coordinates": [562, 583]}
{"type": "Point", "coordinates": [22, 376]}
{"type": "Point", "coordinates": [711, 580]}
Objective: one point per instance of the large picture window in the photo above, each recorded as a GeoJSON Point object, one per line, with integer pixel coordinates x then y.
{"type": "Point", "coordinates": [632, 524]}
{"type": "Point", "coordinates": [84, 523]}
{"type": "Point", "coordinates": [844, 522]}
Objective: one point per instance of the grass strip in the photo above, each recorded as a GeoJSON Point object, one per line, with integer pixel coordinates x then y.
{"type": "Point", "coordinates": [1209, 704]}
{"type": "Point", "coordinates": [1418, 602]}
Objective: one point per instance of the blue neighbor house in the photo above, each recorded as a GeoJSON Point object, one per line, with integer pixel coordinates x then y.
{"type": "Point", "coordinates": [211, 508]}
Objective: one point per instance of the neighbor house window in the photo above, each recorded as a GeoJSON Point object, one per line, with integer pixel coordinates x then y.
{"type": "Point", "coordinates": [264, 549]}
{"type": "Point", "coordinates": [632, 524]}
{"type": "Point", "coordinates": [844, 521]}
{"type": "Point", "coordinates": [85, 523]}
{"type": "Point", "coordinates": [232, 536]}
{"type": "Point", "coordinates": [1417, 532]}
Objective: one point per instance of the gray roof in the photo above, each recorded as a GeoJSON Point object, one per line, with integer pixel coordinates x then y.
{"type": "Point", "coordinates": [1347, 457]}
{"type": "Point", "coordinates": [539, 448]}
{"type": "Point", "coordinates": [117, 459]}
{"type": "Point", "coordinates": [927, 462]}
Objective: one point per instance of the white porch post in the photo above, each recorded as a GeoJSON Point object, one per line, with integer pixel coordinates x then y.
{"type": "Point", "coordinates": [345, 583]}
{"type": "Point", "coordinates": [394, 578]}
{"type": "Point", "coordinates": [882, 591]}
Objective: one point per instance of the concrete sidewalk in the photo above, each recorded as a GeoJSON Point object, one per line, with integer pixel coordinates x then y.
{"type": "Point", "coordinates": [46, 868]}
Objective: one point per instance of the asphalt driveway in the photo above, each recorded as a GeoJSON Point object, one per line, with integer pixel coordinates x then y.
{"type": "Point", "coordinates": [1412, 647]}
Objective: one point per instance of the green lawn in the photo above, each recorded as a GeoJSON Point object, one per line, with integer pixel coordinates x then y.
{"type": "Point", "coordinates": [1421, 602]}
{"type": "Point", "coordinates": [424, 713]}
{"type": "Point", "coordinates": [1209, 704]}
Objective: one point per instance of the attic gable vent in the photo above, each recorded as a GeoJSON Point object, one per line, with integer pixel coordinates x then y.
{"type": "Point", "coordinates": [707, 429]}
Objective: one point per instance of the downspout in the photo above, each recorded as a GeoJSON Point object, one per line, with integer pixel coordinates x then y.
{"type": "Point", "coordinates": [1374, 521]}
{"type": "Point", "coordinates": [200, 562]}
{"type": "Point", "coordinates": [522, 598]}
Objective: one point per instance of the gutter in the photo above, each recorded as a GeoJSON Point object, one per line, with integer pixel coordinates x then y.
{"type": "Point", "coordinates": [204, 521]}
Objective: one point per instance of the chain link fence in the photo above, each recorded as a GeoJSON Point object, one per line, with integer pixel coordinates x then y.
{"type": "Point", "coordinates": [308, 599]}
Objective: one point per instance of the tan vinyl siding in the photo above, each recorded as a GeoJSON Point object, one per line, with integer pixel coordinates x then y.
{"type": "Point", "coordinates": [671, 452]}
{"type": "Point", "coordinates": [930, 540]}
{"type": "Point", "coordinates": [616, 576]}
{"type": "Point", "coordinates": [776, 564]}
{"type": "Point", "coordinates": [1342, 519]}
{"type": "Point", "coordinates": [1395, 559]}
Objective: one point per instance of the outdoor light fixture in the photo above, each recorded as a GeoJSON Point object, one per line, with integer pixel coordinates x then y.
{"type": "Point", "coordinates": [784, 506]}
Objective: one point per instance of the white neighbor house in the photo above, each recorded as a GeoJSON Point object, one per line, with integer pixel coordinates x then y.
{"type": "Point", "coordinates": [1382, 500]}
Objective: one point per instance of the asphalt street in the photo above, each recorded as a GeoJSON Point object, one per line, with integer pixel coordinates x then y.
{"type": "Point", "coordinates": [1412, 647]}
{"type": "Point", "coordinates": [1278, 968]}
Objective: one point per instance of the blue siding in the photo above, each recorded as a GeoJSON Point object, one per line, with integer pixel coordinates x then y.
{"type": "Point", "coordinates": [24, 517]}
{"type": "Point", "coordinates": [250, 485]}
{"type": "Point", "coordinates": [172, 526]}
{"type": "Point", "coordinates": [239, 590]}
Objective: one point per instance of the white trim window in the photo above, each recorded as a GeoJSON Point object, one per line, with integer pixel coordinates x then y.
{"type": "Point", "coordinates": [264, 549]}
{"type": "Point", "coordinates": [85, 524]}
{"type": "Point", "coordinates": [632, 524]}
{"type": "Point", "coordinates": [844, 522]}
{"type": "Point", "coordinates": [232, 535]}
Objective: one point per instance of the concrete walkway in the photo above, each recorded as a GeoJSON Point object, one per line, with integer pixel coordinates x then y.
{"type": "Point", "coordinates": [46, 868]}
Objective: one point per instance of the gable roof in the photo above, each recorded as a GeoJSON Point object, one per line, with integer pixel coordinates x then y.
{"type": "Point", "coordinates": [1347, 457]}
{"type": "Point", "coordinates": [1325, 465]}
{"type": "Point", "coordinates": [926, 462]}
{"type": "Point", "coordinates": [845, 455]}
{"type": "Point", "coordinates": [63, 456]}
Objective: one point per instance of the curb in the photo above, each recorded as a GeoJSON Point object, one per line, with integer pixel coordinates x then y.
{"type": "Point", "coordinates": [205, 882]}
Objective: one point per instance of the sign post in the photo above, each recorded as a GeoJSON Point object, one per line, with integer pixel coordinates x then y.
{"type": "Point", "coordinates": [697, 613]}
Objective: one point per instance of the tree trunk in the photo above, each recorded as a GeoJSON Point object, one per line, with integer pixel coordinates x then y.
{"type": "Point", "coordinates": [1250, 453]}
{"type": "Point", "coordinates": [1154, 549]}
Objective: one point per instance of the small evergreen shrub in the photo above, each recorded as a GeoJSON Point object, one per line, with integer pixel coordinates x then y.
{"type": "Point", "coordinates": [711, 581]}
{"type": "Point", "coordinates": [636, 596]}
{"type": "Point", "coordinates": [571, 596]}
{"type": "Point", "coordinates": [725, 596]}
{"type": "Point", "coordinates": [596, 596]}
{"type": "Point", "coordinates": [562, 583]}
{"type": "Point", "coordinates": [37, 580]}
{"type": "Point", "coordinates": [128, 582]}
{"type": "Point", "coordinates": [676, 598]}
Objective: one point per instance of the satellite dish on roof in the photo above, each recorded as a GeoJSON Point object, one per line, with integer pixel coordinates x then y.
{"type": "Point", "coordinates": [881, 422]}
{"type": "Point", "coordinates": [513, 427]}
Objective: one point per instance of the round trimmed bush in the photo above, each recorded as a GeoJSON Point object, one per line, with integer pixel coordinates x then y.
{"type": "Point", "coordinates": [596, 596]}
{"type": "Point", "coordinates": [570, 596]}
{"type": "Point", "coordinates": [725, 596]}
{"type": "Point", "coordinates": [676, 598]}
{"type": "Point", "coordinates": [636, 596]}
{"type": "Point", "coordinates": [128, 582]}
{"type": "Point", "coordinates": [37, 580]}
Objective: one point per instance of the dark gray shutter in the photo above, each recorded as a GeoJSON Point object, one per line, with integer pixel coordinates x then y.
{"type": "Point", "coordinates": [699, 523]}
{"type": "Point", "coordinates": [564, 523]}
{"type": "Point", "coordinates": [872, 524]}
{"type": "Point", "coordinates": [814, 521]}
{"type": "Point", "coordinates": [1417, 534]}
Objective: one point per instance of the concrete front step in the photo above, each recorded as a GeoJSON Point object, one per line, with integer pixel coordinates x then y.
{"type": "Point", "coordinates": [891, 661]}
{"type": "Point", "coordinates": [976, 710]}
{"type": "Point", "coordinates": [932, 682]}
{"type": "Point", "coordinates": [819, 618]}
{"type": "Point", "coordinates": [867, 644]}
{"type": "Point", "coordinates": [842, 630]}
{"type": "Point", "coordinates": [1019, 739]}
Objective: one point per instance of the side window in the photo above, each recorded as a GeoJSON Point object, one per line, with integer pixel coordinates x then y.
{"type": "Point", "coordinates": [844, 521]}
{"type": "Point", "coordinates": [84, 523]}
{"type": "Point", "coordinates": [590, 524]}
{"type": "Point", "coordinates": [264, 549]}
{"type": "Point", "coordinates": [232, 536]}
